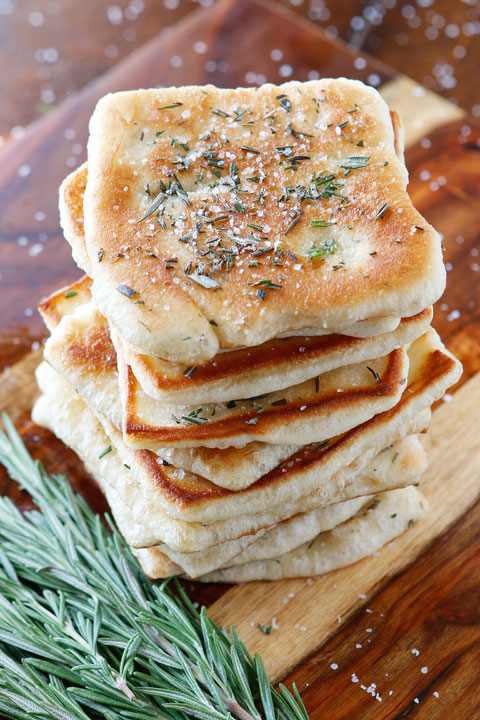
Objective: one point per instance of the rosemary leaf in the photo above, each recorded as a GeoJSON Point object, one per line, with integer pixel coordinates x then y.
{"type": "Point", "coordinates": [160, 198]}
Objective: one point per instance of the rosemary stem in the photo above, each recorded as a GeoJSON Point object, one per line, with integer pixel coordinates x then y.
{"type": "Point", "coordinates": [235, 709]}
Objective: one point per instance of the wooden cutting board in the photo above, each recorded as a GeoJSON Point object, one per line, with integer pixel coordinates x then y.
{"type": "Point", "coordinates": [228, 45]}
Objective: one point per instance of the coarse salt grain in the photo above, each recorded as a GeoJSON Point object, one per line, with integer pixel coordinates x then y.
{"type": "Point", "coordinates": [454, 315]}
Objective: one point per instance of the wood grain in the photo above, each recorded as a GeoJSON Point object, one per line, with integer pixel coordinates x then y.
{"type": "Point", "coordinates": [432, 607]}
{"type": "Point", "coordinates": [75, 42]}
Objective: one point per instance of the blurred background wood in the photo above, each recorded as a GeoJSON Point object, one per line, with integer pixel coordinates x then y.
{"type": "Point", "coordinates": [50, 49]}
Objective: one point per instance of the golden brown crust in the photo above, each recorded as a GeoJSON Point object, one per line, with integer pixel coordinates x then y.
{"type": "Point", "coordinates": [261, 425]}
{"type": "Point", "coordinates": [64, 301]}
{"type": "Point", "coordinates": [383, 259]}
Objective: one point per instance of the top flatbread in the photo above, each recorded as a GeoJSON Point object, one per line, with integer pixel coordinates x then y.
{"type": "Point", "coordinates": [238, 176]}
{"type": "Point", "coordinates": [71, 194]}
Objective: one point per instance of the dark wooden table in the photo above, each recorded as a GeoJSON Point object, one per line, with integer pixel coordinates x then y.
{"type": "Point", "coordinates": [51, 50]}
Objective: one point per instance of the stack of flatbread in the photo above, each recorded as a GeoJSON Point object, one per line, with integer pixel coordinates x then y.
{"type": "Point", "coordinates": [248, 362]}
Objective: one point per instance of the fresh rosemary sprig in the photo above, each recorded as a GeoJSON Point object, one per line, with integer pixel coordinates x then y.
{"type": "Point", "coordinates": [83, 633]}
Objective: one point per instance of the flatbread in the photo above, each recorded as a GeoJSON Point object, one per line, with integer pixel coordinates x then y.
{"type": "Point", "coordinates": [63, 411]}
{"type": "Point", "coordinates": [143, 521]}
{"type": "Point", "coordinates": [392, 515]}
{"type": "Point", "coordinates": [282, 537]}
{"type": "Point", "coordinates": [223, 288]}
{"type": "Point", "coordinates": [314, 410]}
{"type": "Point", "coordinates": [71, 196]}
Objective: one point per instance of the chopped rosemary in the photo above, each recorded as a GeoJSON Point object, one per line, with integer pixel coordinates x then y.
{"type": "Point", "coordinates": [71, 293]}
{"type": "Point", "coordinates": [267, 284]}
{"type": "Point", "coordinates": [127, 291]}
{"type": "Point", "coordinates": [284, 102]}
{"type": "Point", "coordinates": [411, 523]}
{"type": "Point", "coordinates": [204, 280]}
{"type": "Point", "coordinates": [105, 452]}
{"type": "Point", "coordinates": [168, 107]}
{"type": "Point", "coordinates": [160, 198]}
{"type": "Point", "coordinates": [266, 629]}
{"type": "Point", "coordinates": [296, 133]}
{"type": "Point", "coordinates": [327, 247]}
{"type": "Point", "coordinates": [190, 371]}
{"type": "Point", "coordinates": [310, 544]}
{"type": "Point", "coordinates": [320, 223]}
{"type": "Point", "coordinates": [294, 222]}
{"type": "Point", "coordinates": [353, 163]}
{"type": "Point", "coordinates": [101, 255]}
{"type": "Point", "coordinates": [375, 374]}
{"type": "Point", "coordinates": [246, 148]}
{"type": "Point", "coordinates": [381, 213]}
{"type": "Point", "coordinates": [194, 417]}
{"type": "Point", "coordinates": [194, 420]}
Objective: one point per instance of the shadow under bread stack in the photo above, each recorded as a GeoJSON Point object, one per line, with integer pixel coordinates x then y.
{"type": "Point", "coordinates": [248, 362]}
